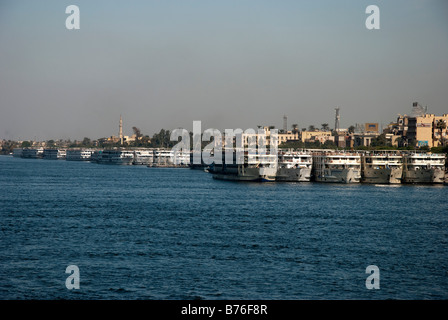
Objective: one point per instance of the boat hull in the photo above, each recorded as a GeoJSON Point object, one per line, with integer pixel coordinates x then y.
{"type": "Point", "coordinates": [340, 176]}
{"type": "Point", "coordinates": [382, 176]}
{"type": "Point", "coordinates": [234, 173]}
{"type": "Point", "coordinates": [432, 175]}
{"type": "Point", "coordinates": [293, 174]}
{"type": "Point", "coordinates": [124, 161]}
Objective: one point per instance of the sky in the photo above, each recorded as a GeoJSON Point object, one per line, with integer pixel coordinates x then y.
{"type": "Point", "coordinates": [230, 64]}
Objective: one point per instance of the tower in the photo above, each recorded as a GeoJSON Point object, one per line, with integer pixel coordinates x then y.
{"type": "Point", "coordinates": [120, 133]}
{"type": "Point", "coordinates": [336, 120]}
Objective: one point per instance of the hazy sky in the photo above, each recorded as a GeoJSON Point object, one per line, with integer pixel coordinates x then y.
{"type": "Point", "coordinates": [230, 64]}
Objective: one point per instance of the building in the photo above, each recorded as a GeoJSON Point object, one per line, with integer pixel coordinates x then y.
{"type": "Point", "coordinates": [396, 132]}
{"type": "Point", "coordinates": [286, 136]}
{"type": "Point", "coordinates": [313, 136]}
{"type": "Point", "coordinates": [371, 128]}
{"type": "Point", "coordinates": [283, 136]}
{"type": "Point", "coordinates": [425, 130]}
{"type": "Point", "coordinates": [402, 125]}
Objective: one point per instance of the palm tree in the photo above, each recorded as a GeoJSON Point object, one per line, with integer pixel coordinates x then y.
{"type": "Point", "coordinates": [294, 127]}
{"type": "Point", "coordinates": [441, 125]}
{"type": "Point", "coordinates": [324, 126]}
{"type": "Point", "coordinates": [311, 128]}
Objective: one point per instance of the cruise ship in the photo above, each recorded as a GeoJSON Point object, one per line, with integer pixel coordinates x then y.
{"type": "Point", "coordinates": [96, 155]}
{"type": "Point", "coordinates": [423, 168]}
{"type": "Point", "coordinates": [17, 152]}
{"type": "Point", "coordinates": [294, 166]}
{"type": "Point", "coordinates": [168, 158]}
{"type": "Point", "coordinates": [254, 168]}
{"type": "Point", "coordinates": [382, 167]}
{"type": "Point", "coordinates": [54, 154]}
{"type": "Point", "coordinates": [162, 158]}
{"type": "Point", "coordinates": [116, 156]}
{"type": "Point", "coordinates": [79, 155]}
{"type": "Point", "coordinates": [32, 153]}
{"type": "Point", "coordinates": [193, 165]}
{"type": "Point", "coordinates": [143, 157]}
{"type": "Point", "coordinates": [335, 166]}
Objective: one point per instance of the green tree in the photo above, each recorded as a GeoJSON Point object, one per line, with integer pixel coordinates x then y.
{"type": "Point", "coordinates": [86, 142]}
{"type": "Point", "coordinates": [351, 129]}
{"type": "Point", "coordinates": [7, 147]}
{"type": "Point", "coordinates": [379, 141]}
{"type": "Point", "coordinates": [50, 143]}
{"type": "Point", "coordinates": [138, 135]}
{"type": "Point", "coordinates": [26, 144]}
{"type": "Point", "coordinates": [162, 139]}
{"type": "Point", "coordinates": [313, 145]}
{"type": "Point", "coordinates": [292, 145]}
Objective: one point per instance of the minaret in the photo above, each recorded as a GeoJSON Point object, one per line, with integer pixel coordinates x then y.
{"type": "Point", "coordinates": [336, 120]}
{"type": "Point", "coordinates": [120, 133]}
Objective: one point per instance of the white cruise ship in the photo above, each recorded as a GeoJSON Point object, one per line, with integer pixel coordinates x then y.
{"type": "Point", "coordinates": [162, 158]}
{"type": "Point", "coordinates": [254, 168]}
{"type": "Point", "coordinates": [294, 166]}
{"type": "Point", "coordinates": [79, 155]}
{"type": "Point", "coordinates": [116, 156]}
{"type": "Point", "coordinates": [335, 166]}
{"type": "Point", "coordinates": [54, 154]}
{"type": "Point", "coordinates": [33, 153]}
{"type": "Point", "coordinates": [423, 168]}
{"type": "Point", "coordinates": [382, 167]}
{"type": "Point", "coordinates": [169, 158]}
{"type": "Point", "coordinates": [181, 159]}
{"type": "Point", "coordinates": [143, 157]}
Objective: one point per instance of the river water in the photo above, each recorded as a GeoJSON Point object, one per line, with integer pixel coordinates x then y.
{"type": "Point", "coordinates": [169, 234]}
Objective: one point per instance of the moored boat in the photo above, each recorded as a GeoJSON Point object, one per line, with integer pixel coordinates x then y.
{"type": "Point", "coordinates": [256, 167]}
{"type": "Point", "coordinates": [116, 156]}
{"type": "Point", "coordinates": [336, 166]}
{"type": "Point", "coordinates": [79, 155]}
{"type": "Point", "coordinates": [143, 157]}
{"type": "Point", "coordinates": [54, 154]}
{"type": "Point", "coordinates": [382, 167]}
{"type": "Point", "coordinates": [32, 153]}
{"type": "Point", "coordinates": [17, 152]}
{"type": "Point", "coordinates": [294, 166]}
{"type": "Point", "coordinates": [423, 168]}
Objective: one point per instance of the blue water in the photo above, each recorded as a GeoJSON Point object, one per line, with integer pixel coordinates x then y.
{"type": "Point", "coordinates": [159, 233]}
